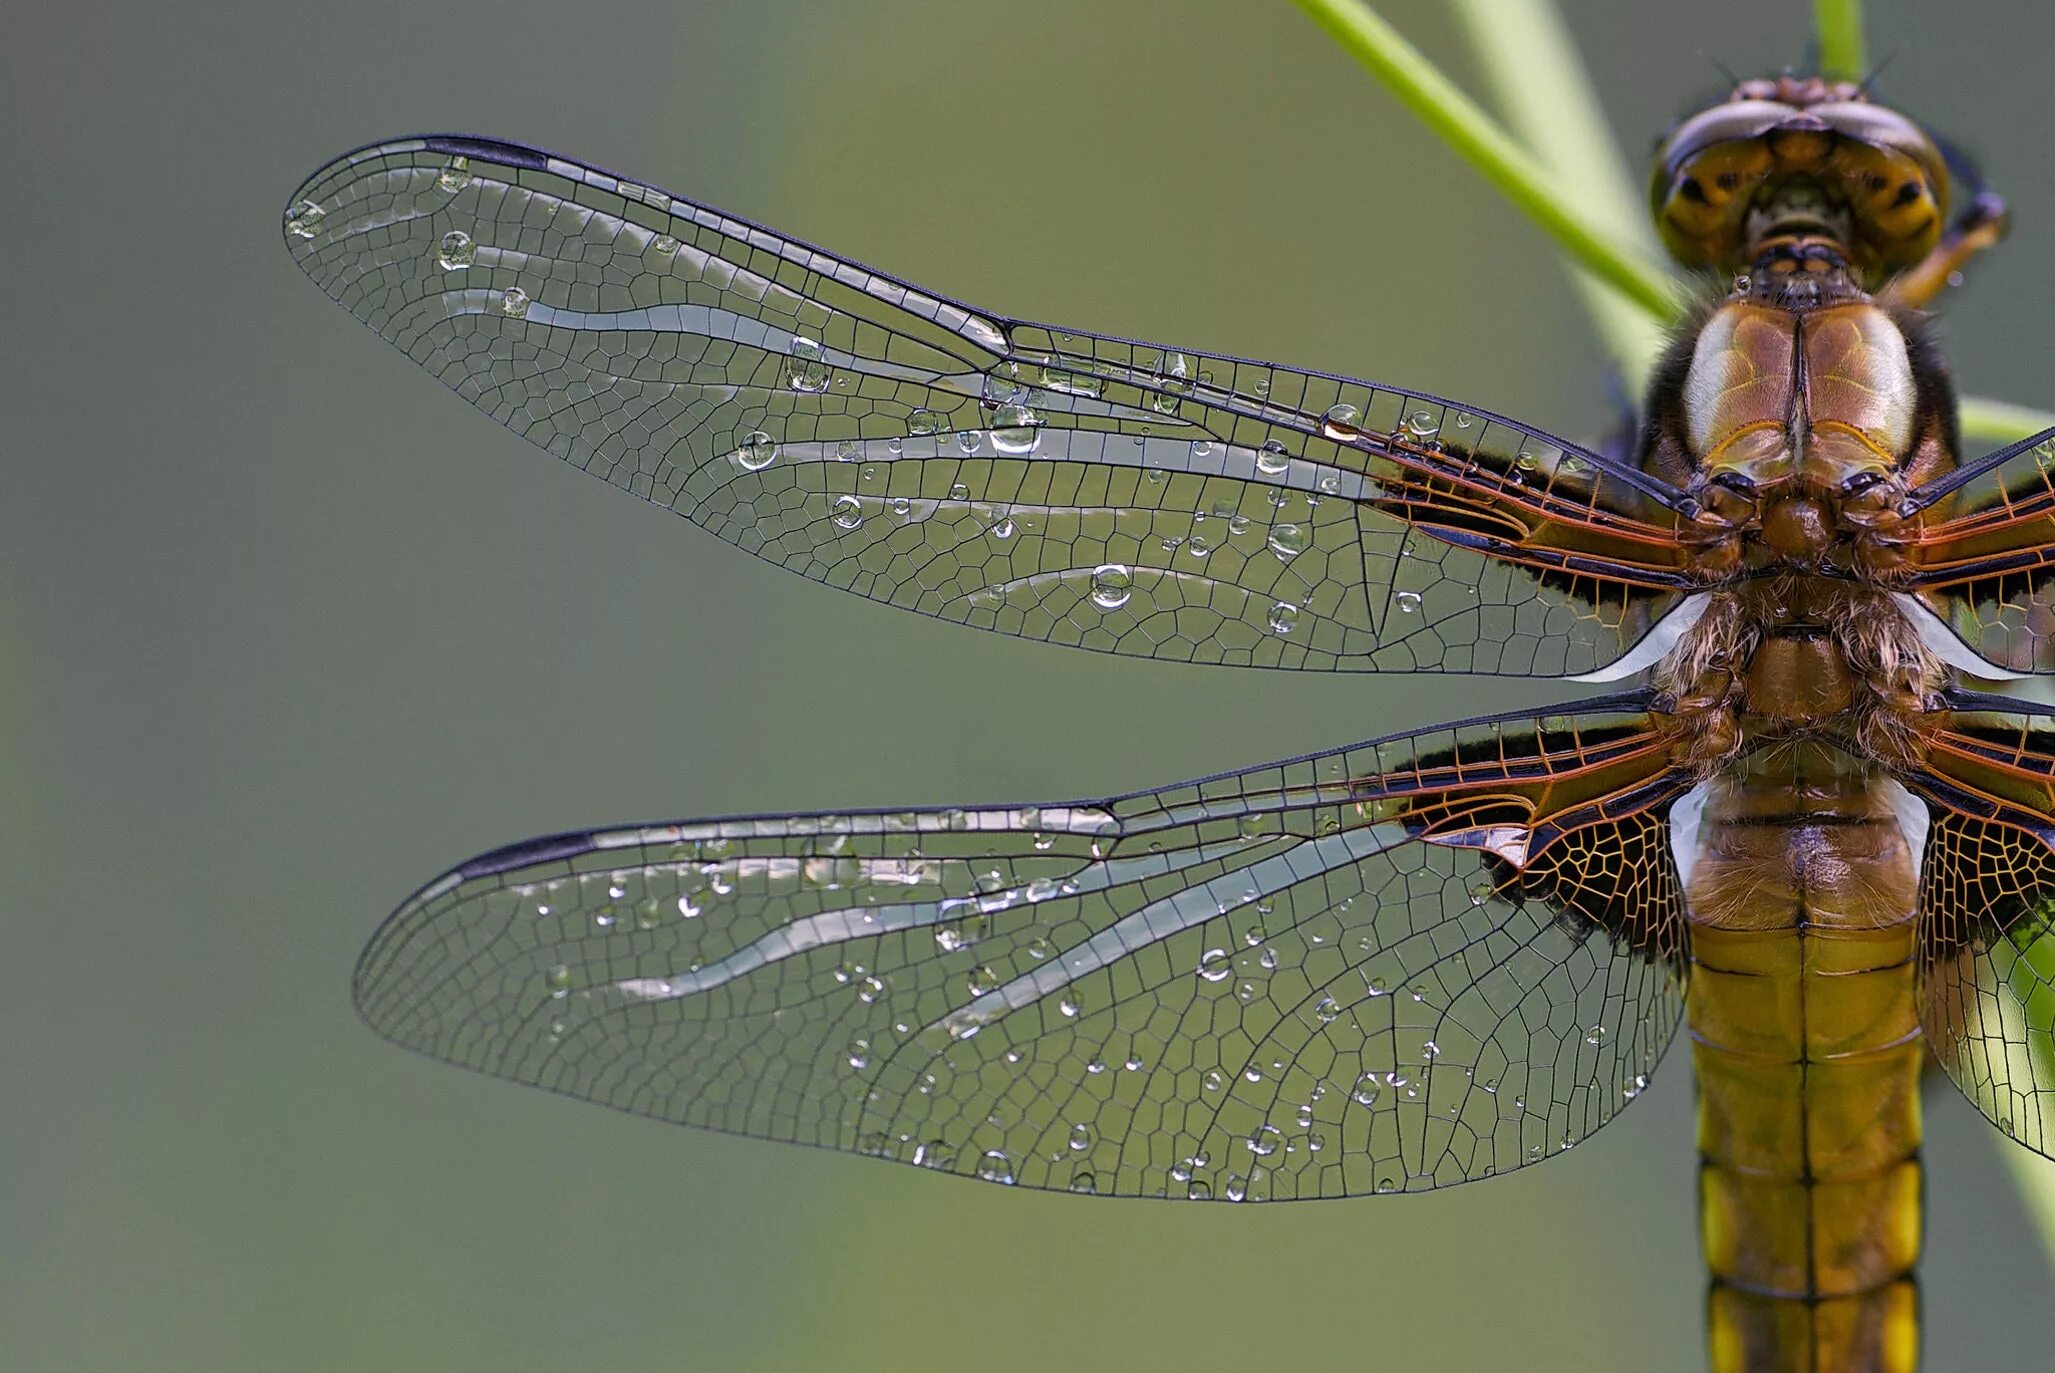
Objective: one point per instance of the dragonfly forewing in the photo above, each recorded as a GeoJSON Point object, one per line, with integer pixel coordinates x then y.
{"type": "Point", "coordinates": [1048, 483]}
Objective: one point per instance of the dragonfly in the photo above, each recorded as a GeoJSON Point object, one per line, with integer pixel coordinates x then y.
{"type": "Point", "coordinates": [1794, 811]}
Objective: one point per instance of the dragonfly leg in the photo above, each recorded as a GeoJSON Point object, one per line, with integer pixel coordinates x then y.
{"type": "Point", "coordinates": [1977, 228]}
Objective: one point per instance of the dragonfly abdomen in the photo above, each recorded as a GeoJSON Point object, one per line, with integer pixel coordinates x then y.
{"type": "Point", "coordinates": [1801, 883]}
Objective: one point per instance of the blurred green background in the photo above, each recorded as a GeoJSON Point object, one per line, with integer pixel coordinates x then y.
{"type": "Point", "coordinates": [285, 629]}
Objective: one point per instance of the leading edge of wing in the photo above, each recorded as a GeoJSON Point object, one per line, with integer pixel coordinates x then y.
{"type": "Point", "coordinates": [532, 158]}
{"type": "Point", "coordinates": [566, 844]}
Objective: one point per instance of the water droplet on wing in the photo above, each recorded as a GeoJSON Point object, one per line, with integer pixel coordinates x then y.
{"type": "Point", "coordinates": [757, 452]}
{"type": "Point", "coordinates": [1112, 585]}
{"type": "Point", "coordinates": [304, 219]}
{"type": "Point", "coordinates": [455, 251]}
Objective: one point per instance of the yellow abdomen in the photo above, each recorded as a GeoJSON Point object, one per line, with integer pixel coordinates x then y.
{"type": "Point", "coordinates": [1806, 1042]}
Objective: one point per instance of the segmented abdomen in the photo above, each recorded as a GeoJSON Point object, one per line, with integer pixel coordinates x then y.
{"type": "Point", "coordinates": [1808, 1052]}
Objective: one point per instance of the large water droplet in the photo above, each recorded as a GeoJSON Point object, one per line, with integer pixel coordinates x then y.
{"type": "Point", "coordinates": [1271, 459]}
{"type": "Point", "coordinates": [996, 1167]}
{"type": "Point", "coordinates": [1112, 585]}
{"type": "Point", "coordinates": [1264, 1141]}
{"type": "Point", "coordinates": [961, 934]}
{"type": "Point", "coordinates": [304, 219]}
{"type": "Point", "coordinates": [513, 302]}
{"type": "Point", "coordinates": [1073, 383]}
{"type": "Point", "coordinates": [757, 452]}
{"type": "Point", "coordinates": [1287, 541]}
{"type": "Point", "coordinates": [847, 512]}
{"type": "Point", "coordinates": [456, 176]}
{"type": "Point", "coordinates": [455, 251]}
{"type": "Point", "coordinates": [1014, 430]}
{"type": "Point", "coordinates": [1284, 617]}
{"type": "Point", "coordinates": [1216, 966]}
{"type": "Point", "coordinates": [1005, 385]}
{"type": "Point", "coordinates": [808, 368]}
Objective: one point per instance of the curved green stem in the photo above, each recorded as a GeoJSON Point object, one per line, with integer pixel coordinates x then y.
{"type": "Point", "coordinates": [1438, 103]}
{"type": "Point", "coordinates": [2000, 421]}
{"type": "Point", "coordinates": [1838, 26]}
{"type": "Point", "coordinates": [1539, 85]}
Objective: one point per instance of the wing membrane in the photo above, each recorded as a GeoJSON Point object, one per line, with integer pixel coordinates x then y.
{"type": "Point", "coordinates": [1985, 555]}
{"type": "Point", "coordinates": [1047, 483]}
{"type": "Point", "coordinates": [1987, 906]}
{"type": "Point", "coordinates": [1317, 978]}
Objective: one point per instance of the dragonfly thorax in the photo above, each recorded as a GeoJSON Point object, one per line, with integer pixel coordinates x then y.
{"type": "Point", "coordinates": [1796, 422]}
{"type": "Point", "coordinates": [1784, 659]}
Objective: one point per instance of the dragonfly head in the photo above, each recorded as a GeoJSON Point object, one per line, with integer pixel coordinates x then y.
{"type": "Point", "coordinates": [1799, 159]}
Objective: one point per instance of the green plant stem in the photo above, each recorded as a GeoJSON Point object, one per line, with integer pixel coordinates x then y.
{"type": "Point", "coordinates": [1436, 101]}
{"type": "Point", "coordinates": [1542, 91]}
{"type": "Point", "coordinates": [1837, 24]}
{"type": "Point", "coordinates": [2000, 421]}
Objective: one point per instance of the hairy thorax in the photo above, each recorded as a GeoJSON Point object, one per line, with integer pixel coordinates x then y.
{"type": "Point", "coordinates": [1788, 657]}
{"type": "Point", "coordinates": [1797, 416]}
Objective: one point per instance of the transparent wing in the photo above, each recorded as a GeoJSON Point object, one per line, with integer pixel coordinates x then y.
{"type": "Point", "coordinates": [1040, 482]}
{"type": "Point", "coordinates": [1987, 911]}
{"type": "Point", "coordinates": [1390, 967]}
{"type": "Point", "coordinates": [1985, 552]}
